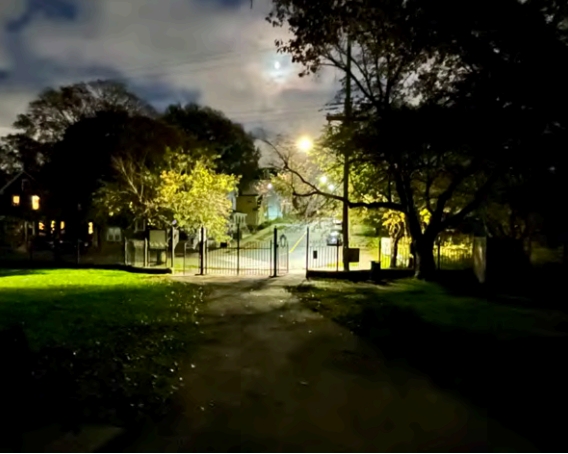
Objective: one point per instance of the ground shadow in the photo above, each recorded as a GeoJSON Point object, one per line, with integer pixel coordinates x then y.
{"type": "Point", "coordinates": [515, 379]}
{"type": "Point", "coordinates": [6, 272]}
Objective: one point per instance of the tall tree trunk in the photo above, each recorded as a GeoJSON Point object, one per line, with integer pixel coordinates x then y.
{"type": "Point", "coordinates": [425, 263]}
{"type": "Point", "coordinates": [394, 251]}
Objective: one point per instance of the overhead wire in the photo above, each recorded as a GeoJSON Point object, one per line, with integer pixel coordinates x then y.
{"type": "Point", "coordinates": [219, 61]}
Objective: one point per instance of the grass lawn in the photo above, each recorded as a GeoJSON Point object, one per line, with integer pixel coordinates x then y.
{"type": "Point", "coordinates": [507, 361]}
{"type": "Point", "coordinates": [107, 346]}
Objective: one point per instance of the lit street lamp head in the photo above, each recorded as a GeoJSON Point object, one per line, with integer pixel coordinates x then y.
{"type": "Point", "coordinates": [305, 144]}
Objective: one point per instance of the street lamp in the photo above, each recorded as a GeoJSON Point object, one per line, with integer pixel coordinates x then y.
{"type": "Point", "coordinates": [305, 144]}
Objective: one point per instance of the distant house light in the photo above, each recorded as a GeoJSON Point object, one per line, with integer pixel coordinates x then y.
{"type": "Point", "coordinates": [16, 200]}
{"type": "Point", "coordinates": [62, 225]}
{"type": "Point", "coordinates": [90, 227]}
{"type": "Point", "coordinates": [41, 226]}
{"type": "Point", "coordinates": [35, 202]}
{"type": "Point", "coordinates": [52, 226]}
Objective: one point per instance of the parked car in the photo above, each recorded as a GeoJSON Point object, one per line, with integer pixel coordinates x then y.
{"type": "Point", "coordinates": [335, 238]}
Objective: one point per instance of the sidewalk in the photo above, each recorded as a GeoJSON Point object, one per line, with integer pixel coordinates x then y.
{"type": "Point", "coordinates": [273, 376]}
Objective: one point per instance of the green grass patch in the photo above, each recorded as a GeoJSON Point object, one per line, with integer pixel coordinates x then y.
{"type": "Point", "coordinates": [109, 344]}
{"type": "Point", "coordinates": [494, 355]}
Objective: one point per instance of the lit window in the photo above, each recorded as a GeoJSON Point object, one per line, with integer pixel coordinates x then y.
{"type": "Point", "coordinates": [41, 226]}
{"type": "Point", "coordinates": [52, 226]}
{"type": "Point", "coordinates": [16, 200]}
{"type": "Point", "coordinates": [35, 202]}
{"type": "Point", "coordinates": [90, 228]}
{"type": "Point", "coordinates": [62, 225]}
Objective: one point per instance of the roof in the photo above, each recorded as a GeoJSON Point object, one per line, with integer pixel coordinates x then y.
{"type": "Point", "coordinates": [13, 180]}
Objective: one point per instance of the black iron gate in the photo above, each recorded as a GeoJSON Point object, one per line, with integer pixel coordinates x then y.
{"type": "Point", "coordinates": [263, 258]}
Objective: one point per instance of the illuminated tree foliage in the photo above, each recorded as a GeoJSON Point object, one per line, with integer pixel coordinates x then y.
{"type": "Point", "coordinates": [196, 196]}
{"type": "Point", "coordinates": [187, 191]}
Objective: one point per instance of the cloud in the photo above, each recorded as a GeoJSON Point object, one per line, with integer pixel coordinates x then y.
{"type": "Point", "coordinates": [219, 52]}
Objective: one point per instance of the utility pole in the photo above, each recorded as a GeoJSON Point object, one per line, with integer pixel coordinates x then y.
{"type": "Point", "coordinates": [346, 118]}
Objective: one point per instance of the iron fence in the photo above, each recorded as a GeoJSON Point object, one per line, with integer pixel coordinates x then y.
{"type": "Point", "coordinates": [446, 255]}
{"type": "Point", "coordinates": [321, 256]}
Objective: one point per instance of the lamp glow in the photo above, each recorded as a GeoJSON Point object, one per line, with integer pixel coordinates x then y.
{"type": "Point", "coordinates": [305, 144]}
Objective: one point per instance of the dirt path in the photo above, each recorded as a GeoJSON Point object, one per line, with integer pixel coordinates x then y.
{"type": "Point", "coordinates": [273, 376]}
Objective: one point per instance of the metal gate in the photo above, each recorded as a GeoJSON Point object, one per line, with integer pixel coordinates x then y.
{"type": "Point", "coordinates": [262, 258]}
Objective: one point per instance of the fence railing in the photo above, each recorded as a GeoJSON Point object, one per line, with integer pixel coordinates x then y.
{"type": "Point", "coordinates": [446, 255]}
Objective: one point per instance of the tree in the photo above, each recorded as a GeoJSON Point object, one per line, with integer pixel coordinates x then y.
{"type": "Point", "coordinates": [233, 149]}
{"type": "Point", "coordinates": [196, 196]}
{"type": "Point", "coordinates": [18, 151]}
{"type": "Point", "coordinates": [438, 124]}
{"type": "Point", "coordinates": [83, 159]}
{"type": "Point", "coordinates": [316, 168]}
{"type": "Point", "coordinates": [180, 189]}
{"type": "Point", "coordinates": [48, 117]}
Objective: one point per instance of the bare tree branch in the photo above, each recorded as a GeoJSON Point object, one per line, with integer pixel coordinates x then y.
{"type": "Point", "coordinates": [316, 191]}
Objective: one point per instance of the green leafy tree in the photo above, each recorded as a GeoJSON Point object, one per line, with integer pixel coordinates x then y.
{"type": "Point", "coordinates": [231, 146]}
{"type": "Point", "coordinates": [181, 189]}
{"type": "Point", "coordinates": [196, 196]}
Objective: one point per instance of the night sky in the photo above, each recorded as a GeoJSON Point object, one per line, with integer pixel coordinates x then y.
{"type": "Point", "coordinates": [215, 52]}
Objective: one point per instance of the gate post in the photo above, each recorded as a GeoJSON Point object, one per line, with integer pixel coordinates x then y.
{"type": "Point", "coordinates": [146, 253]}
{"type": "Point", "coordinates": [173, 249]}
{"type": "Point", "coordinates": [275, 243]}
{"type": "Point", "coordinates": [238, 249]}
{"type": "Point", "coordinates": [202, 252]}
{"type": "Point", "coordinates": [307, 248]}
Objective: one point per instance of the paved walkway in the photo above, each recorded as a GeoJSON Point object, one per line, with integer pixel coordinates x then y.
{"type": "Point", "coordinates": [273, 376]}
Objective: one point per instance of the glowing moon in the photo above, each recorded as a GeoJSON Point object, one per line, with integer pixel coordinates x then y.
{"type": "Point", "coordinates": [277, 65]}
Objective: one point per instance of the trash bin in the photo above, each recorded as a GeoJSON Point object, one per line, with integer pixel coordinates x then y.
{"type": "Point", "coordinates": [375, 270]}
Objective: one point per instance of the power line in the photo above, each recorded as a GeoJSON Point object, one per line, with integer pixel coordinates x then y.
{"type": "Point", "coordinates": [142, 71]}
{"type": "Point", "coordinates": [286, 112]}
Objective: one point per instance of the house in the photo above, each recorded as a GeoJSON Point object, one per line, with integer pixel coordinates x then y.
{"type": "Point", "coordinates": [20, 209]}
{"type": "Point", "coordinates": [261, 202]}
{"type": "Point", "coordinates": [250, 204]}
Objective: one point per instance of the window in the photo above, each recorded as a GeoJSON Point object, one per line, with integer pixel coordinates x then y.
{"type": "Point", "coordinates": [113, 234]}
{"type": "Point", "coordinates": [52, 227]}
{"type": "Point", "coordinates": [35, 202]}
{"type": "Point", "coordinates": [16, 200]}
{"type": "Point", "coordinates": [25, 185]}
{"type": "Point", "coordinates": [41, 226]}
{"type": "Point", "coordinates": [62, 225]}
{"type": "Point", "coordinates": [90, 228]}
{"type": "Point", "coordinates": [139, 226]}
